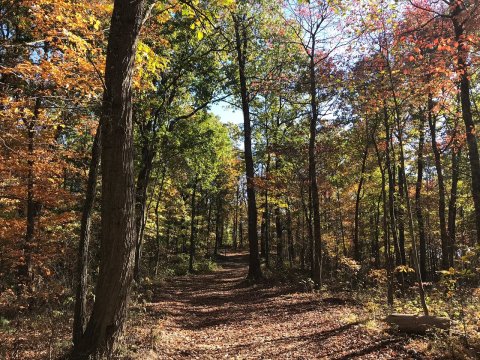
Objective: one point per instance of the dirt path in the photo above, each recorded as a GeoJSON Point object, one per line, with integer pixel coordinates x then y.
{"type": "Point", "coordinates": [217, 316]}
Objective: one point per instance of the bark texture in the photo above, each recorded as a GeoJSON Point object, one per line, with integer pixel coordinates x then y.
{"type": "Point", "coordinates": [118, 187]}
{"type": "Point", "coordinates": [241, 43]}
{"type": "Point", "coordinates": [80, 312]}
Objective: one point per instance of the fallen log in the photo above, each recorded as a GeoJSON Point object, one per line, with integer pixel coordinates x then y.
{"type": "Point", "coordinates": [417, 324]}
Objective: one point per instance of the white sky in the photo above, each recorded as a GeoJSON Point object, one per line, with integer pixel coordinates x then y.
{"type": "Point", "coordinates": [226, 113]}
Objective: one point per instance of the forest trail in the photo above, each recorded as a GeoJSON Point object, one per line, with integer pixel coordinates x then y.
{"type": "Point", "coordinates": [219, 316]}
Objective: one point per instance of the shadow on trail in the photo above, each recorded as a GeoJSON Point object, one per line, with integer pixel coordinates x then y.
{"type": "Point", "coordinates": [220, 314]}
{"type": "Point", "coordinates": [224, 296]}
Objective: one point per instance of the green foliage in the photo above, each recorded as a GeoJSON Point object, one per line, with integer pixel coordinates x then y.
{"type": "Point", "coordinates": [178, 265]}
{"type": "Point", "coordinates": [205, 266]}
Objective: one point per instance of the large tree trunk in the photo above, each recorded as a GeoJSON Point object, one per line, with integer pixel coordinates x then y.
{"type": "Point", "coordinates": [241, 42]}
{"type": "Point", "coordinates": [441, 184]}
{"type": "Point", "coordinates": [418, 200]}
{"type": "Point", "coordinates": [80, 313]}
{"type": "Point", "coordinates": [462, 68]}
{"type": "Point", "coordinates": [118, 187]}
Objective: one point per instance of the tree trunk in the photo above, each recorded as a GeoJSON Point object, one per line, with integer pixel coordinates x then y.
{"type": "Point", "coordinates": [143, 180]}
{"type": "Point", "coordinates": [241, 42]}
{"type": "Point", "coordinates": [240, 230]}
{"type": "Point", "coordinates": [374, 234]}
{"type": "Point", "coordinates": [157, 236]}
{"type": "Point", "coordinates": [401, 216]}
{"type": "Point", "coordinates": [418, 199]}
{"type": "Point", "coordinates": [209, 225]}
{"type": "Point", "coordinates": [217, 225]}
{"type": "Point", "coordinates": [386, 235]}
{"type": "Point", "coordinates": [312, 170]}
{"type": "Point", "coordinates": [452, 205]}
{"type": "Point", "coordinates": [25, 270]}
{"type": "Point", "coordinates": [291, 248]}
{"type": "Point", "coordinates": [411, 231]}
{"type": "Point", "coordinates": [441, 184]}
{"type": "Point", "coordinates": [340, 222]}
{"type": "Point", "coordinates": [462, 68]}
{"type": "Point", "coordinates": [118, 187]}
{"type": "Point", "coordinates": [262, 234]}
{"type": "Point", "coordinates": [80, 312]}
{"type": "Point", "coordinates": [235, 220]}
{"type": "Point", "coordinates": [356, 244]}
{"type": "Point", "coordinates": [192, 227]}
{"type": "Point", "coordinates": [279, 231]}
{"type": "Point", "coordinates": [391, 187]}
{"type": "Point", "coordinates": [267, 231]}
{"type": "Point", "coordinates": [311, 244]}
{"type": "Point", "coordinates": [157, 221]}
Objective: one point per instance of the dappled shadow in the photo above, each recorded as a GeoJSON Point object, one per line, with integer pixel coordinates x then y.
{"type": "Point", "coordinates": [368, 349]}
{"type": "Point", "coordinates": [216, 315]}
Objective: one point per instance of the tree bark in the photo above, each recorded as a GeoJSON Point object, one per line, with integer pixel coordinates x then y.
{"type": "Point", "coordinates": [452, 204]}
{"type": "Point", "coordinates": [209, 224]}
{"type": "Point", "coordinates": [192, 227]}
{"type": "Point", "coordinates": [80, 312]}
{"type": "Point", "coordinates": [356, 244]}
{"type": "Point", "coordinates": [401, 216]}
{"type": "Point", "coordinates": [312, 170]}
{"type": "Point", "coordinates": [279, 231]}
{"type": "Point", "coordinates": [291, 247]}
{"type": "Point", "coordinates": [411, 230]}
{"type": "Point", "coordinates": [118, 188]}
{"type": "Point", "coordinates": [142, 182]}
{"type": "Point", "coordinates": [157, 221]}
{"type": "Point", "coordinates": [386, 235]}
{"type": "Point", "coordinates": [235, 220]}
{"type": "Point", "coordinates": [267, 231]}
{"type": "Point", "coordinates": [25, 270]}
{"type": "Point", "coordinates": [441, 184]}
{"type": "Point", "coordinates": [462, 68]}
{"type": "Point", "coordinates": [241, 42]}
{"type": "Point", "coordinates": [391, 187]}
{"type": "Point", "coordinates": [418, 199]}
{"type": "Point", "coordinates": [217, 225]}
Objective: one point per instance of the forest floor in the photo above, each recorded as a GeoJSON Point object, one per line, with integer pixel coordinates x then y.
{"type": "Point", "coordinates": [220, 316]}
